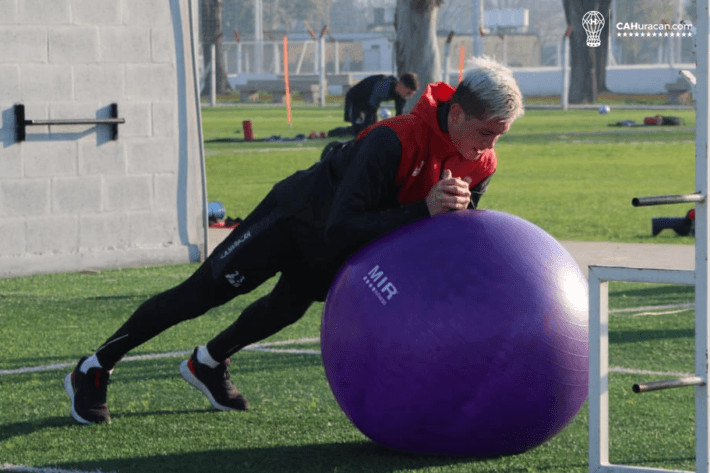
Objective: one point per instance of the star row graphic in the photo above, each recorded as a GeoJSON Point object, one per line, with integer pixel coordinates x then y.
{"type": "Point", "coordinates": [663, 34]}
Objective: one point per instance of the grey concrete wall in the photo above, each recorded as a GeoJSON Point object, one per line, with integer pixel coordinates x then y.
{"type": "Point", "coordinates": [70, 197]}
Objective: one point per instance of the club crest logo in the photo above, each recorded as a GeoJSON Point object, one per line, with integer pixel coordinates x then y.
{"type": "Point", "coordinates": [593, 24]}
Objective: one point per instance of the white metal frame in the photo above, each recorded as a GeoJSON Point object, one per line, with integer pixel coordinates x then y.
{"type": "Point", "coordinates": [598, 296]}
{"type": "Point", "coordinates": [599, 358]}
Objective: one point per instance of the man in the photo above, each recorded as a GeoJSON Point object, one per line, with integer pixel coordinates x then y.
{"type": "Point", "coordinates": [363, 100]}
{"type": "Point", "coordinates": [437, 159]}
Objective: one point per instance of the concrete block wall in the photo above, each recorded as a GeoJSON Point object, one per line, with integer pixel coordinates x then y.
{"type": "Point", "coordinates": [70, 197]}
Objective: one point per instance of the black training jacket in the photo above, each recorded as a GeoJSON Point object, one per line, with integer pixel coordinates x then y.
{"type": "Point", "coordinates": [348, 199]}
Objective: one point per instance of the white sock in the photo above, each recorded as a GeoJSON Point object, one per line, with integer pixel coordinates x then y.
{"type": "Point", "coordinates": [204, 357]}
{"type": "Point", "coordinates": [90, 362]}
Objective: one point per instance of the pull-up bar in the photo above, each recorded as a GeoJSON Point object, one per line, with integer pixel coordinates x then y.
{"type": "Point", "coordinates": [668, 383]}
{"type": "Point", "coordinates": [21, 122]}
{"type": "Point", "coordinates": [687, 380]}
{"type": "Point", "coordinates": [667, 199]}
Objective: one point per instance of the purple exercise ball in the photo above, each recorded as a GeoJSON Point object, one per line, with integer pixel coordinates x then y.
{"type": "Point", "coordinates": [461, 334]}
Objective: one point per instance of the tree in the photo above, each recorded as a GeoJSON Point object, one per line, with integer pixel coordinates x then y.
{"type": "Point", "coordinates": [211, 33]}
{"type": "Point", "coordinates": [588, 69]}
{"type": "Point", "coordinates": [416, 45]}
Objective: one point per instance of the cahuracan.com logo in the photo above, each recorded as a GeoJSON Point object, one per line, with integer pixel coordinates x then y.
{"type": "Point", "coordinates": [653, 30]}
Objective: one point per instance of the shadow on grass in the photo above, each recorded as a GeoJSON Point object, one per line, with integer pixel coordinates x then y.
{"type": "Point", "coordinates": [19, 429]}
{"type": "Point", "coordinates": [633, 336]}
{"type": "Point", "coordinates": [341, 457]}
{"type": "Point", "coordinates": [687, 293]}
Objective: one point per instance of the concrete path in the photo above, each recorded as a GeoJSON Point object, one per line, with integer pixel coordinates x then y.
{"type": "Point", "coordinates": [632, 255]}
{"type": "Point", "coordinates": [646, 255]}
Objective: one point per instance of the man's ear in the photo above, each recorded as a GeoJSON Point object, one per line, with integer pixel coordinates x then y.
{"type": "Point", "coordinates": [456, 113]}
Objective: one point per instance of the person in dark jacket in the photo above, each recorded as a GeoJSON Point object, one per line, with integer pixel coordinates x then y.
{"type": "Point", "coordinates": [363, 100]}
{"type": "Point", "coordinates": [438, 158]}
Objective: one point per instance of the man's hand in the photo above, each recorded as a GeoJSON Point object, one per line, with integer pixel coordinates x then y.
{"type": "Point", "coordinates": [450, 193]}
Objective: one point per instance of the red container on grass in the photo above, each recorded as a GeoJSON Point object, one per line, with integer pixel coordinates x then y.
{"type": "Point", "coordinates": [248, 130]}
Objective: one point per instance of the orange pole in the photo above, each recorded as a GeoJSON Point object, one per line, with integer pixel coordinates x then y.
{"type": "Point", "coordinates": [288, 91]}
{"type": "Point", "coordinates": [462, 53]}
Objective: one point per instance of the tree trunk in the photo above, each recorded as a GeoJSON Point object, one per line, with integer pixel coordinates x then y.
{"type": "Point", "coordinates": [588, 68]}
{"type": "Point", "coordinates": [416, 45]}
{"type": "Point", "coordinates": [211, 33]}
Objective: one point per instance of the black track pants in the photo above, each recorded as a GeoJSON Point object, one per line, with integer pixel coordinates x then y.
{"type": "Point", "coordinates": [253, 252]}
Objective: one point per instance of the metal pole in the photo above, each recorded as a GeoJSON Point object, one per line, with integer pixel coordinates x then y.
{"type": "Point", "coordinates": [213, 75]}
{"type": "Point", "coordinates": [301, 57]}
{"type": "Point", "coordinates": [565, 72]}
{"type": "Point", "coordinates": [610, 60]}
{"type": "Point", "coordinates": [478, 24]}
{"type": "Point", "coordinates": [277, 67]}
{"type": "Point", "coordinates": [322, 84]}
{"type": "Point", "coordinates": [447, 52]}
{"type": "Point", "coordinates": [316, 56]}
{"type": "Point", "coordinates": [679, 44]}
{"type": "Point", "coordinates": [598, 372]}
{"type": "Point", "coordinates": [259, 36]}
{"type": "Point", "coordinates": [337, 57]}
{"type": "Point", "coordinates": [668, 384]}
{"type": "Point", "coordinates": [505, 50]}
{"type": "Point", "coordinates": [667, 199]}
{"type": "Point", "coordinates": [702, 304]}
{"type": "Point", "coordinates": [321, 72]}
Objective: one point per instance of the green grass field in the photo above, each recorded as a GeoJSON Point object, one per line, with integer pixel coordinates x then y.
{"type": "Point", "coordinates": [568, 172]}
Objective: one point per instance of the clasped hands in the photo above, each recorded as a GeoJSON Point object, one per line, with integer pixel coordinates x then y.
{"type": "Point", "coordinates": [450, 193]}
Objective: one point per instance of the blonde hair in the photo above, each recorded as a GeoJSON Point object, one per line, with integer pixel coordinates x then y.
{"type": "Point", "coordinates": [489, 90]}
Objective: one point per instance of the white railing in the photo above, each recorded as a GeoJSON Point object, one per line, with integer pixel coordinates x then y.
{"type": "Point", "coordinates": [599, 278]}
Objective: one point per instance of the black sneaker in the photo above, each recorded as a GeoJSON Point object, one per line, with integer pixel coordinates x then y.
{"type": "Point", "coordinates": [87, 393]}
{"type": "Point", "coordinates": [214, 383]}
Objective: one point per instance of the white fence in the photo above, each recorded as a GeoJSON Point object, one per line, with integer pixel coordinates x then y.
{"type": "Point", "coordinates": [250, 60]}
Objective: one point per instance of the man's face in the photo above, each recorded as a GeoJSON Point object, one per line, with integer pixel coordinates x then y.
{"type": "Point", "coordinates": [472, 136]}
